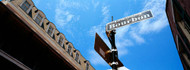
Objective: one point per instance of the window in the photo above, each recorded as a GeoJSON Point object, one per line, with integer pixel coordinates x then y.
{"type": "Point", "coordinates": [38, 19]}
{"type": "Point", "coordinates": [42, 25]}
{"type": "Point", "coordinates": [53, 36]}
{"type": "Point", "coordinates": [71, 54]}
{"type": "Point", "coordinates": [79, 62]}
{"type": "Point", "coordinates": [87, 66]}
{"type": "Point", "coordinates": [60, 40]}
{"type": "Point", "coordinates": [63, 46]}
{"type": "Point", "coordinates": [25, 6]}
{"type": "Point", "coordinates": [30, 13]}
{"type": "Point", "coordinates": [50, 30]}
{"type": "Point", "coordinates": [69, 50]}
{"type": "Point", "coordinates": [77, 57]}
{"type": "Point", "coordinates": [187, 27]}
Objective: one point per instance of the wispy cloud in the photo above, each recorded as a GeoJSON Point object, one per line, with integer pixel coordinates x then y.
{"type": "Point", "coordinates": [153, 25]}
{"type": "Point", "coordinates": [64, 13]}
{"type": "Point", "coordinates": [122, 31]}
{"type": "Point", "coordinates": [159, 21]}
{"type": "Point", "coordinates": [37, 2]}
{"type": "Point", "coordinates": [106, 14]}
{"type": "Point", "coordinates": [63, 17]}
{"type": "Point", "coordinates": [95, 4]}
{"type": "Point", "coordinates": [100, 29]}
{"type": "Point", "coordinates": [137, 38]}
{"type": "Point", "coordinates": [72, 4]}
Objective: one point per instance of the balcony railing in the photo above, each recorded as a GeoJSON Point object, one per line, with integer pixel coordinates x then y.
{"type": "Point", "coordinates": [187, 27]}
{"type": "Point", "coordinates": [182, 34]}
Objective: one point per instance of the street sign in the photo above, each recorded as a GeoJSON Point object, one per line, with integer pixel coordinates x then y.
{"type": "Point", "coordinates": [129, 20]}
{"type": "Point", "coordinates": [103, 50]}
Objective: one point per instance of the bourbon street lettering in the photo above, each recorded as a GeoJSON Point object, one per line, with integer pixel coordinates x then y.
{"type": "Point", "coordinates": [129, 20]}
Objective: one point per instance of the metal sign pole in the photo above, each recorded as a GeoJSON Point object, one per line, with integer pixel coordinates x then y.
{"type": "Point", "coordinates": [111, 38]}
{"type": "Point", "coordinates": [114, 50]}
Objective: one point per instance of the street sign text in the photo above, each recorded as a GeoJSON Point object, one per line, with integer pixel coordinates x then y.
{"type": "Point", "coordinates": [129, 20]}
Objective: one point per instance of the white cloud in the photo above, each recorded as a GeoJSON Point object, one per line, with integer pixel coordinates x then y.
{"type": "Point", "coordinates": [122, 52]}
{"type": "Point", "coordinates": [155, 24]}
{"type": "Point", "coordinates": [105, 10]}
{"type": "Point", "coordinates": [64, 13]}
{"type": "Point", "coordinates": [121, 32]}
{"type": "Point", "coordinates": [69, 16]}
{"type": "Point", "coordinates": [100, 29]}
{"type": "Point", "coordinates": [138, 38]}
{"type": "Point", "coordinates": [159, 21]}
{"type": "Point", "coordinates": [69, 4]}
{"type": "Point", "coordinates": [106, 14]}
{"type": "Point", "coordinates": [95, 4]}
{"type": "Point", "coordinates": [37, 2]}
{"type": "Point", "coordinates": [63, 17]}
{"type": "Point", "coordinates": [122, 43]}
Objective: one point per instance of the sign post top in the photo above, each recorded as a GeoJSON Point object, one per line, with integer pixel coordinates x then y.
{"type": "Point", "coordinates": [129, 20]}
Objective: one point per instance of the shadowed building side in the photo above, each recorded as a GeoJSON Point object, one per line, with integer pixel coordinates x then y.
{"type": "Point", "coordinates": [178, 13]}
{"type": "Point", "coordinates": [28, 40]}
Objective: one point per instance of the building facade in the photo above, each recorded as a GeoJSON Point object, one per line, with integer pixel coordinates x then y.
{"type": "Point", "coordinates": [29, 41]}
{"type": "Point", "coordinates": [178, 13]}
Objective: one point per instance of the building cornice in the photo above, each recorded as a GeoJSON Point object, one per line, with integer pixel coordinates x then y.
{"type": "Point", "coordinates": [41, 33]}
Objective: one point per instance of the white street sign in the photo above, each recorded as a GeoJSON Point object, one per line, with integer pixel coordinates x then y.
{"type": "Point", "coordinates": [129, 20]}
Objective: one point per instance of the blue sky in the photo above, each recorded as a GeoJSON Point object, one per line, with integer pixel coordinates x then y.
{"type": "Point", "coordinates": [146, 45]}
